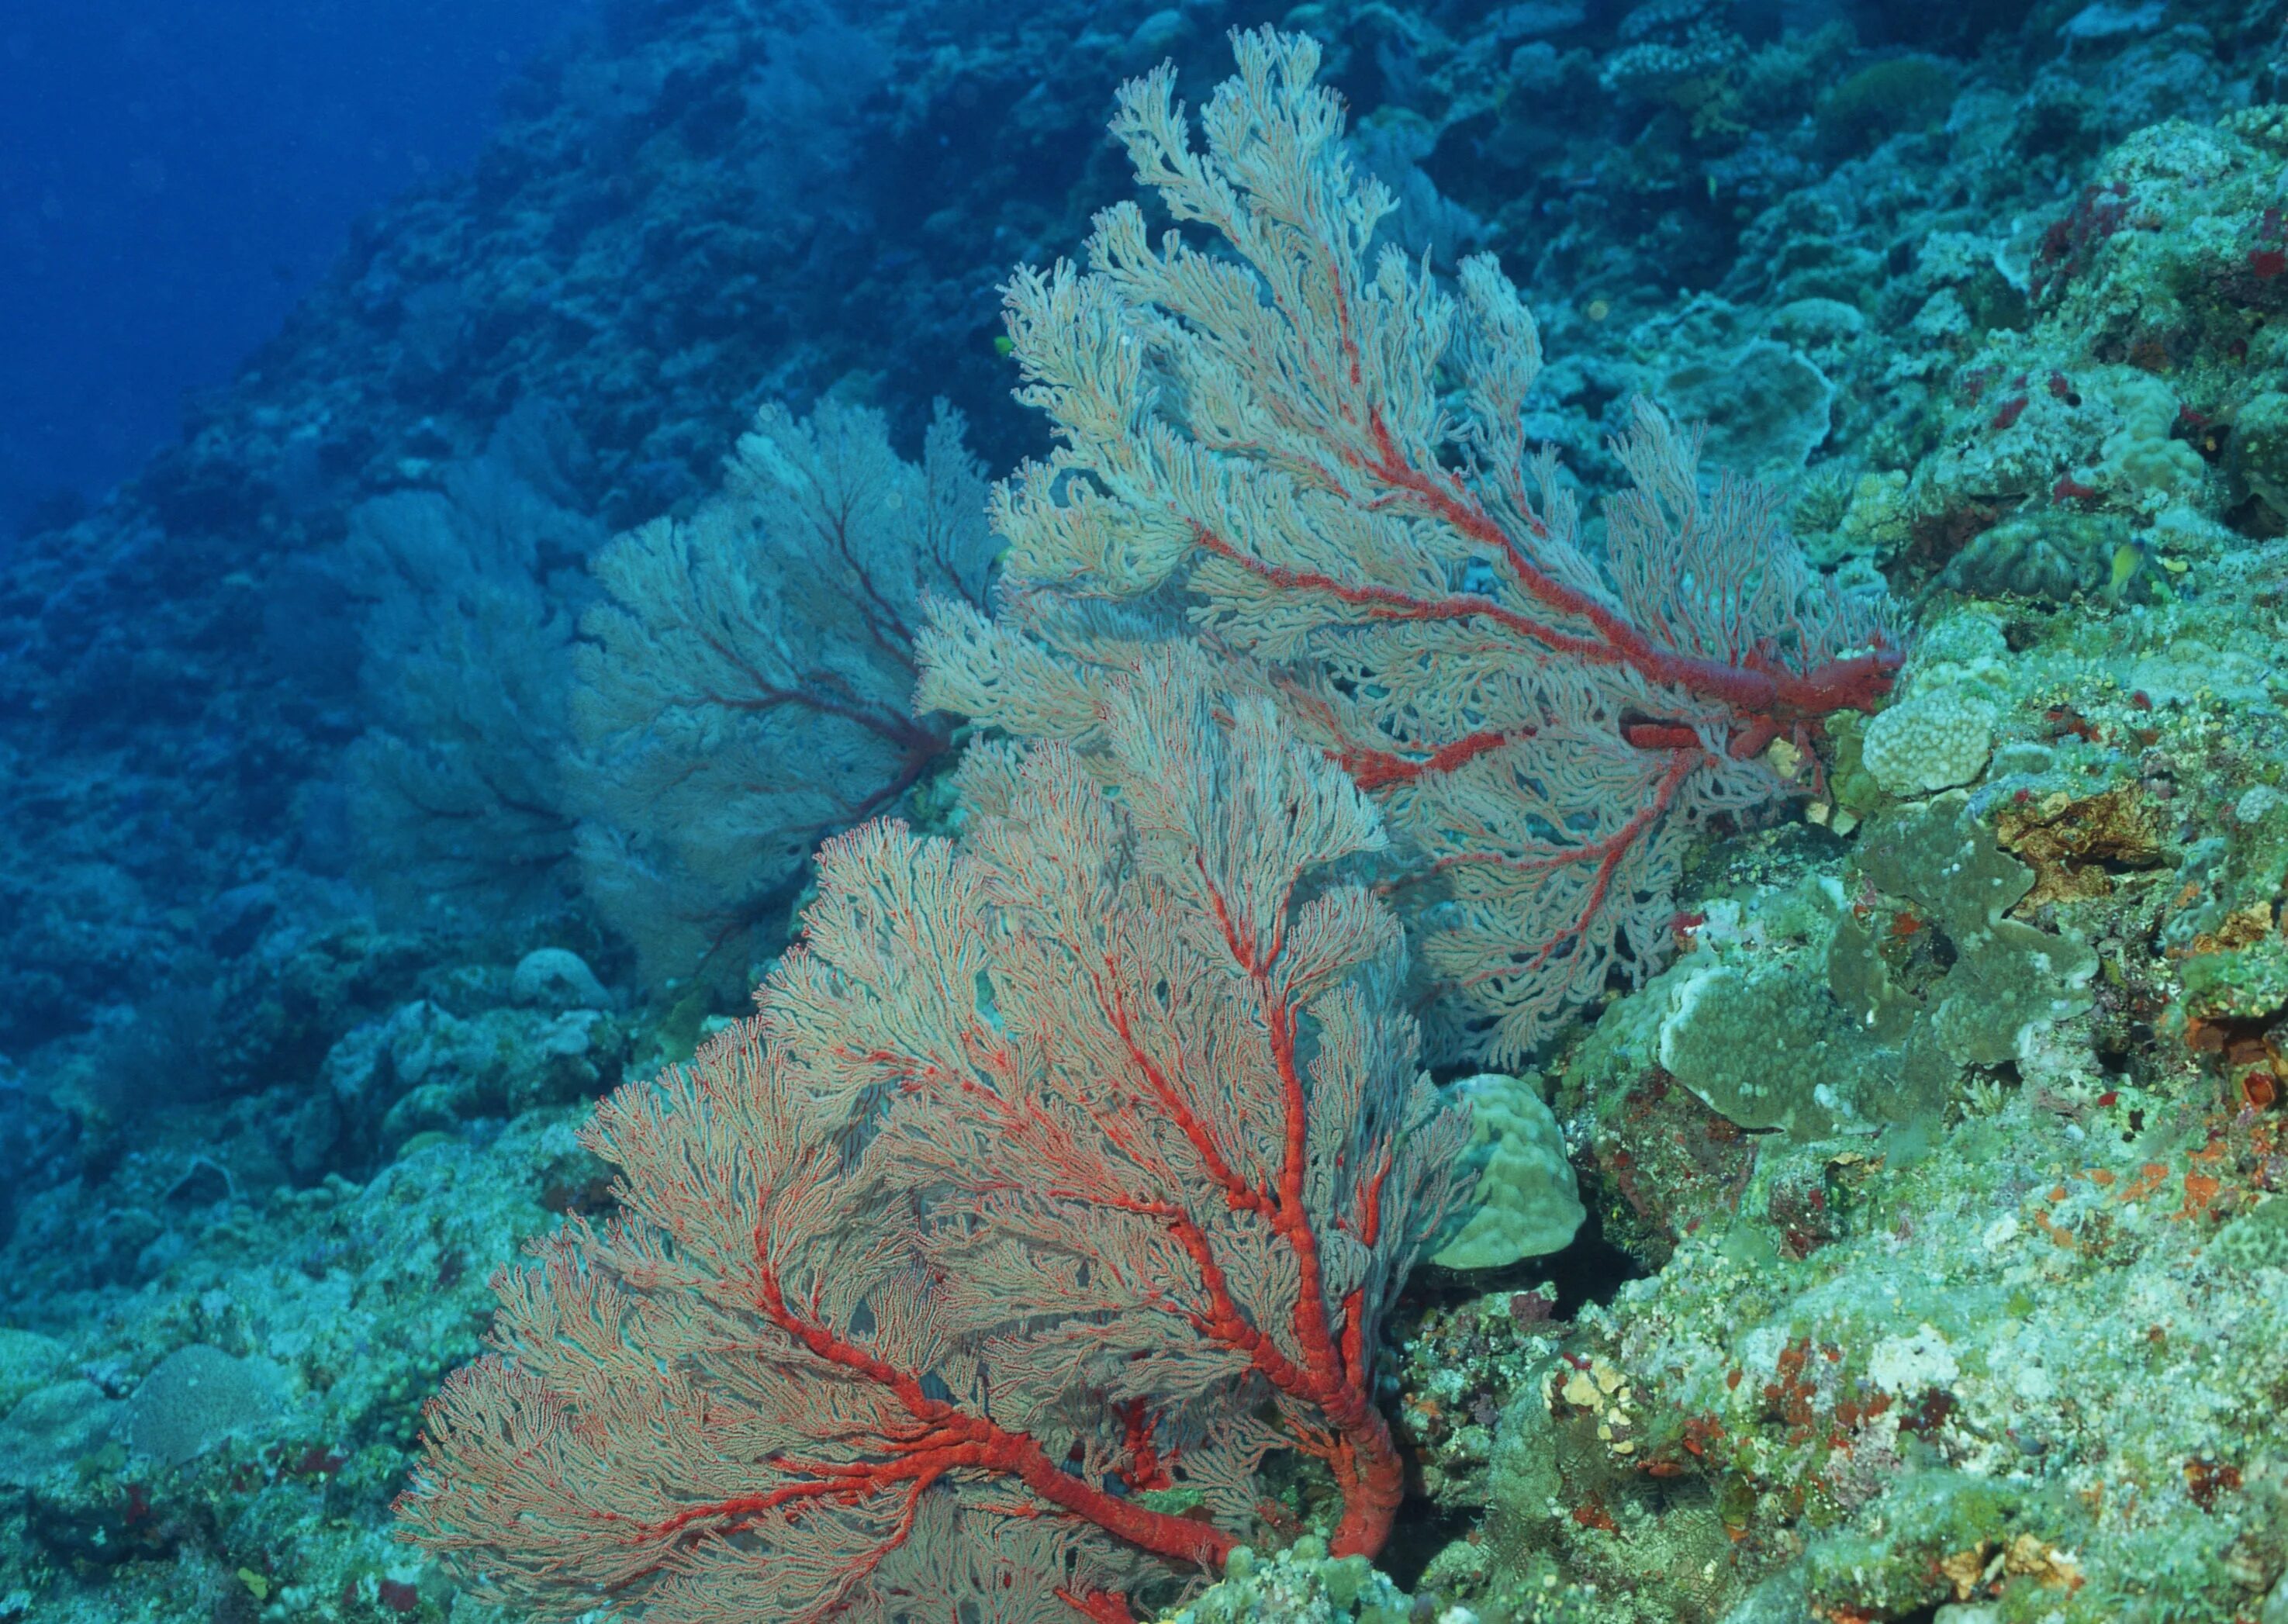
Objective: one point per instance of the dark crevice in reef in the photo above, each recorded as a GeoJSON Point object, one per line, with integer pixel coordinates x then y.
{"type": "Point", "coordinates": [1591, 1270]}
{"type": "Point", "coordinates": [1421, 1532]}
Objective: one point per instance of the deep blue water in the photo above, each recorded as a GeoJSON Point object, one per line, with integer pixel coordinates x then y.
{"type": "Point", "coordinates": [174, 176]}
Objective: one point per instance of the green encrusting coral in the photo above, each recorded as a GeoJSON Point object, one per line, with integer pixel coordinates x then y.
{"type": "Point", "coordinates": [1829, 1006]}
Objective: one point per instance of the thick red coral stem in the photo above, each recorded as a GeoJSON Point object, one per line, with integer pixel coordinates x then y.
{"type": "Point", "coordinates": [1329, 1370]}
{"type": "Point", "coordinates": [1145, 1468]}
{"type": "Point", "coordinates": [1752, 686]}
{"type": "Point", "coordinates": [1371, 769]}
{"type": "Point", "coordinates": [1365, 1458]}
{"type": "Point", "coordinates": [945, 1439]}
{"type": "Point", "coordinates": [1098, 1606]}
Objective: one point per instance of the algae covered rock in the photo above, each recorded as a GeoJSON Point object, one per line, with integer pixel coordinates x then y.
{"type": "Point", "coordinates": [1459, 1368]}
{"type": "Point", "coordinates": [52, 1426]}
{"type": "Point", "coordinates": [199, 1396]}
{"type": "Point", "coordinates": [424, 1069]}
{"type": "Point", "coordinates": [2249, 983]}
{"type": "Point", "coordinates": [1810, 1015]}
{"type": "Point", "coordinates": [1942, 1409]}
{"type": "Point", "coordinates": [2260, 449]}
{"type": "Point", "coordinates": [557, 979]}
{"type": "Point", "coordinates": [1765, 405]}
{"type": "Point", "coordinates": [2008, 979]}
{"type": "Point", "coordinates": [1299, 1584]}
{"type": "Point", "coordinates": [2048, 556]}
{"type": "Point", "coordinates": [1765, 1047]}
{"type": "Point", "coordinates": [29, 1361]}
{"type": "Point", "coordinates": [2257, 1240]}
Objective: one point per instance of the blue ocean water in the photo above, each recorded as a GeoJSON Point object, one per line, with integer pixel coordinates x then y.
{"type": "Point", "coordinates": [176, 178]}
{"type": "Point", "coordinates": [481, 485]}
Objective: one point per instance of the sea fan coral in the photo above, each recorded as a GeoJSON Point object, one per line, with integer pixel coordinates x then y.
{"type": "Point", "coordinates": [744, 690]}
{"type": "Point", "coordinates": [1063, 1175]}
{"type": "Point", "coordinates": [456, 788]}
{"type": "Point", "coordinates": [1319, 473]}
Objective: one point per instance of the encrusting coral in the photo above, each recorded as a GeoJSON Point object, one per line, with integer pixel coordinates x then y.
{"type": "Point", "coordinates": [1264, 452]}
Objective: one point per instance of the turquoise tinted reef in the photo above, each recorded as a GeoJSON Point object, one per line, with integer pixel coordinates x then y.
{"type": "Point", "coordinates": [1687, 1029]}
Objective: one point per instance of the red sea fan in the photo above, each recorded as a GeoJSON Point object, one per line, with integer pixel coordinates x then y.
{"type": "Point", "coordinates": [1316, 473]}
{"type": "Point", "coordinates": [1063, 1175]}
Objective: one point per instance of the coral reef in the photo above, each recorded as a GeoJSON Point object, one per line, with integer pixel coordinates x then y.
{"type": "Point", "coordinates": [1926, 1253]}
{"type": "Point", "coordinates": [1524, 1201]}
{"type": "Point", "coordinates": [1300, 1582]}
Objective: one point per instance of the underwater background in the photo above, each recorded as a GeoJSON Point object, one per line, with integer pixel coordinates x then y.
{"type": "Point", "coordinates": [1881, 1225]}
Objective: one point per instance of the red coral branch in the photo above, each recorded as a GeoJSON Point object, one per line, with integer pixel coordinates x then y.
{"type": "Point", "coordinates": [943, 1440]}
{"type": "Point", "coordinates": [954, 1440]}
{"type": "Point", "coordinates": [1606, 853]}
{"type": "Point", "coordinates": [1371, 769]}
{"type": "Point", "coordinates": [1769, 699]}
{"type": "Point", "coordinates": [1766, 699]}
{"type": "Point", "coordinates": [1145, 1469]}
{"type": "Point", "coordinates": [1760, 689]}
